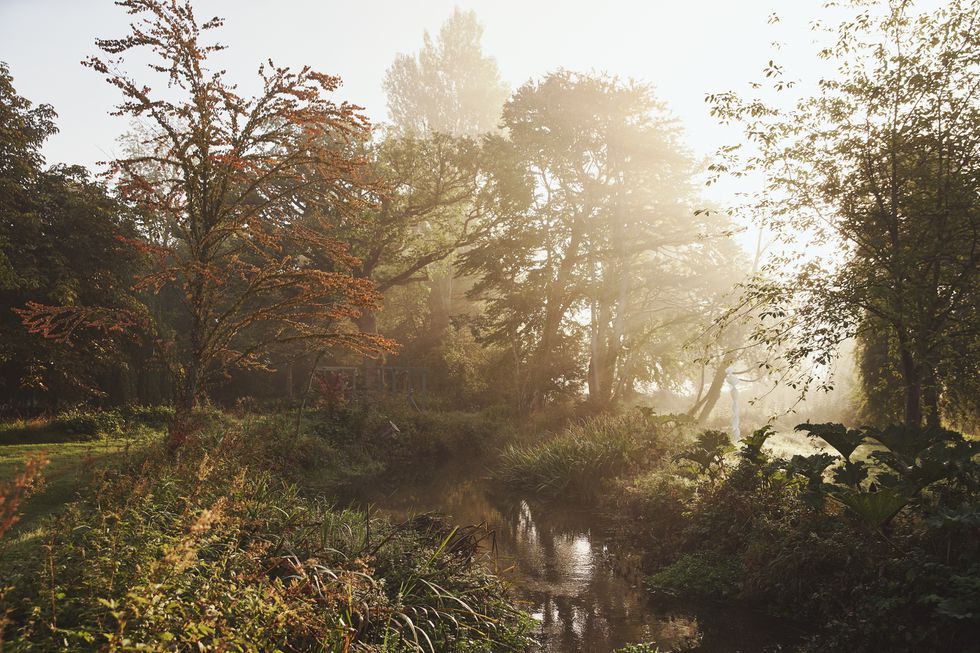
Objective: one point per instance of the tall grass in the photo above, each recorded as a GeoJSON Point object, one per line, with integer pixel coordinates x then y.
{"type": "Point", "coordinates": [217, 551]}
{"type": "Point", "coordinates": [588, 453]}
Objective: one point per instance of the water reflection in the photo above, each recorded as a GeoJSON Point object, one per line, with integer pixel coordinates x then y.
{"type": "Point", "coordinates": [567, 574]}
{"type": "Point", "coordinates": [571, 576]}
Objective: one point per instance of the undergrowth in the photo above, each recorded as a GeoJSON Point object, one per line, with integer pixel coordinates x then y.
{"type": "Point", "coordinates": [216, 550]}
{"type": "Point", "coordinates": [874, 547]}
{"type": "Point", "coordinates": [589, 453]}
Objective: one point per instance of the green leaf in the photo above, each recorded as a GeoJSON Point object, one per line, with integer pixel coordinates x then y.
{"type": "Point", "coordinates": [752, 445]}
{"type": "Point", "coordinates": [910, 441]}
{"type": "Point", "coordinates": [851, 473]}
{"type": "Point", "coordinates": [873, 508]}
{"type": "Point", "coordinates": [844, 440]}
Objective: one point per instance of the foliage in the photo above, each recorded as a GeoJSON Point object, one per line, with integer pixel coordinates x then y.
{"type": "Point", "coordinates": [89, 424]}
{"type": "Point", "coordinates": [699, 574]}
{"type": "Point", "coordinates": [638, 648]}
{"type": "Point", "coordinates": [653, 509]}
{"type": "Point", "coordinates": [877, 547]}
{"type": "Point", "coordinates": [13, 493]}
{"type": "Point", "coordinates": [156, 417]}
{"type": "Point", "coordinates": [580, 459]}
{"type": "Point", "coordinates": [443, 179]}
{"type": "Point", "coordinates": [59, 242]}
{"type": "Point", "coordinates": [449, 86]}
{"type": "Point", "coordinates": [276, 570]}
{"type": "Point", "coordinates": [877, 164]}
{"type": "Point", "coordinates": [400, 435]}
{"type": "Point", "coordinates": [601, 223]}
{"type": "Point", "coordinates": [752, 445]}
{"type": "Point", "coordinates": [240, 195]}
{"type": "Point", "coordinates": [909, 460]}
{"type": "Point", "coordinates": [706, 456]}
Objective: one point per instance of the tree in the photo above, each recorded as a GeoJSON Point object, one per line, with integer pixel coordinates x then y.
{"type": "Point", "coordinates": [437, 193]}
{"type": "Point", "coordinates": [881, 164]}
{"type": "Point", "coordinates": [427, 211]}
{"type": "Point", "coordinates": [59, 242]}
{"type": "Point", "coordinates": [597, 251]}
{"type": "Point", "coordinates": [239, 184]}
{"type": "Point", "coordinates": [23, 130]}
{"type": "Point", "coordinates": [449, 87]}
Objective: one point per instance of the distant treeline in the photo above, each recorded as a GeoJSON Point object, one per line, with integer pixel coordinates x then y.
{"type": "Point", "coordinates": [527, 248]}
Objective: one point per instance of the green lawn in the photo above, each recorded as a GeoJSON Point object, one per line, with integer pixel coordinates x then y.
{"type": "Point", "coordinates": [71, 463]}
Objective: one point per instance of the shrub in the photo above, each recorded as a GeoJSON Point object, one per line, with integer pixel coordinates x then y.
{"type": "Point", "coordinates": [154, 417]}
{"type": "Point", "coordinates": [820, 538]}
{"type": "Point", "coordinates": [584, 456]}
{"type": "Point", "coordinates": [652, 508]}
{"type": "Point", "coordinates": [638, 648]}
{"type": "Point", "coordinates": [88, 424]}
{"type": "Point", "coordinates": [705, 574]}
{"type": "Point", "coordinates": [214, 551]}
{"type": "Point", "coordinates": [395, 434]}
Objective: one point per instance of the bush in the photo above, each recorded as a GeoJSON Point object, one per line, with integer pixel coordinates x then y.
{"type": "Point", "coordinates": [216, 551]}
{"type": "Point", "coordinates": [580, 459]}
{"type": "Point", "coordinates": [699, 575]}
{"type": "Point", "coordinates": [638, 648]}
{"type": "Point", "coordinates": [88, 424]}
{"type": "Point", "coordinates": [395, 434]}
{"type": "Point", "coordinates": [653, 509]}
{"type": "Point", "coordinates": [154, 417]}
{"type": "Point", "coordinates": [818, 538]}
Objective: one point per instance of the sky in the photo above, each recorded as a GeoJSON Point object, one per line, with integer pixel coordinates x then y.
{"type": "Point", "coordinates": [685, 48]}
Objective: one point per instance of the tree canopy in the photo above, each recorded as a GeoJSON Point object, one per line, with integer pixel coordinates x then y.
{"type": "Point", "coordinates": [881, 165]}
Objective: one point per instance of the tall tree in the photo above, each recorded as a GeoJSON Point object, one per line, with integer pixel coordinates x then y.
{"type": "Point", "coordinates": [239, 183]}
{"type": "Point", "coordinates": [607, 237]}
{"type": "Point", "coordinates": [59, 242]}
{"type": "Point", "coordinates": [882, 165]}
{"type": "Point", "coordinates": [23, 130]}
{"type": "Point", "coordinates": [450, 86]}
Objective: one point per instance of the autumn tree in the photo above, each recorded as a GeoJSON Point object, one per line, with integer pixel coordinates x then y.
{"type": "Point", "coordinates": [239, 184]}
{"type": "Point", "coordinates": [880, 165]}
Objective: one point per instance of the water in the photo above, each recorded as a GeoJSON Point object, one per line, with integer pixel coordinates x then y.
{"type": "Point", "coordinates": [582, 586]}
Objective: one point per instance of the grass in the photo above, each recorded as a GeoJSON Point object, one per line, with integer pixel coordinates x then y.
{"type": "Point", "coordinates": [217, 549]}
{"type": "Point", "coordinates": [71, 464]}
{"type": "Point", "coordinates": [587, 454]}
{"type": "Point", "coordinates": [75, 443]}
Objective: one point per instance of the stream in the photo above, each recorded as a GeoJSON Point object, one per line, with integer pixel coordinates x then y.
{"type": "Point", "coordinates": [583, 587]}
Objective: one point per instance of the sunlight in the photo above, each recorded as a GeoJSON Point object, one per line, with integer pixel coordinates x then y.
{"type": "Point", "coordinates": [497, 327]}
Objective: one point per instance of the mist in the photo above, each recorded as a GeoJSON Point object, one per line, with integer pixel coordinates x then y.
{"type": "Point", "coordinates": [422, 327]}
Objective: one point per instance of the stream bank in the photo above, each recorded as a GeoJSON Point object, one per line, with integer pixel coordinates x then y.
{"type": "Point", "coordinates": [569, 571]}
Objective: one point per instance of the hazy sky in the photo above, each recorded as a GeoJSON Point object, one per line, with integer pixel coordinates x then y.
{"type": "Point", "coordinates": [686, 48]}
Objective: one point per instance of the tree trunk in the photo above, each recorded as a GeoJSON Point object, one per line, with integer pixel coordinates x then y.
{"type": "Point", "coordinates": [913, 385]}
{"type": "Point", "coordinates": [182, 425]}
{"type": "Point", "coordinates": [440, 305]}
{"type": "Point", "coordinates": [554, 311]}
{"type": "Point", "coordinates": [930, 398]}
{"type": "Point", "coordinates": [707, 403]}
